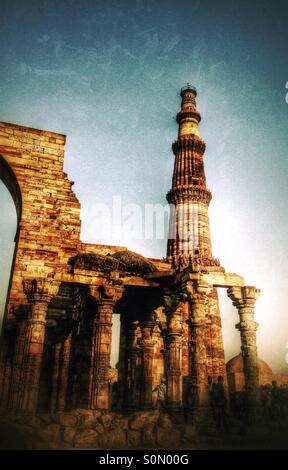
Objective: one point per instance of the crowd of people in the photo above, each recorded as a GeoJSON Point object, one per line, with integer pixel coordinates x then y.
{"type": "Point", "coordinates": [272, 409]}
{"type": "Point", "coordinates": [273, 401]}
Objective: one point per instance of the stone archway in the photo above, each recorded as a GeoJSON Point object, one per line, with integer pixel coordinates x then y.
{"type": "Point", "coordinates": [9, 179]}
{"type": "Point", "coordinates": [48, 220]}
{"type": "Point", "coordinates": [48, 211]}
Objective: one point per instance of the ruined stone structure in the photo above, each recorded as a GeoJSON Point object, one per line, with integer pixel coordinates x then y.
{"type": "Point", "coordinates": [57, 330]}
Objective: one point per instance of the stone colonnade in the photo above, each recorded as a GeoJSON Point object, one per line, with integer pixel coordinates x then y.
{"type": "Point", "coordinates": [140, 342]}
{"type": "Point", "coordinates": [139, 352]}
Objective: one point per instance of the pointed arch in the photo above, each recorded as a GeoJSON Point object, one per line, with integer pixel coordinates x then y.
{"type": "Point", "coordinates": [9, 179]}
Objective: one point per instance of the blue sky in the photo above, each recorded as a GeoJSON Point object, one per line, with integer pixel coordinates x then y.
{"type": "Point", "coordinates": [108, 75]}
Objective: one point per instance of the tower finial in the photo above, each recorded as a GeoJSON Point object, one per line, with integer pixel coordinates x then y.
{"type": "Point", "coordinates": [188, 118]}
{"type": "Point", "coordinates": [188, 88]}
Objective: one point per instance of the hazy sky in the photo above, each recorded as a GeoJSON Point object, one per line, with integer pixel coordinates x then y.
{"type": "Point", "coordinates": [108, 75]}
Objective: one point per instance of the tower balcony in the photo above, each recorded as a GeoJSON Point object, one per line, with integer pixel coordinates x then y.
{"type": "Point", "coordinates": [188, 87]}
{"type": "Point", "coordinates": [188, 112]}
{"type": "Point", "coordinates": [189, 142]}
{"type": "Point", "coordinates": [189, 193]}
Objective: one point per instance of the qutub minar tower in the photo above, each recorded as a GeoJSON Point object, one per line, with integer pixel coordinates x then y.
{"type": "Point", "coordinates": [57, 330]}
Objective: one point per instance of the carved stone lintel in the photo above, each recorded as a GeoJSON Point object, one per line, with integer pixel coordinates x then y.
{"type": "Point", "coordinates": [195, 263]}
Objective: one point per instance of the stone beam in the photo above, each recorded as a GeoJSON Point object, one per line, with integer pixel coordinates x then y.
{"type": "Point", "coordinates": [92, 279]}
{"type": "Point", "coordinates": [220, 279]}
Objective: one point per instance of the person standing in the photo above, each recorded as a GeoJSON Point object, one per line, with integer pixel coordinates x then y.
{"type": "Point", "coordinates": [161, 390]}
{"type": "Point", "coordinates": [220, 404]}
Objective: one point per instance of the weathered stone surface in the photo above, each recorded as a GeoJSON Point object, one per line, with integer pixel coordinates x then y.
{"type": "Point", "coordinates": [168, 438]}
{"type": "Point", "coordinates": [67, 419]}
{"type": "Point", "coordinates": [85, 438]}
{"type": "Point", "coordinates": [68, 434]}
{"type": "Point", "coordinates": [152, 417]}
{"type": "Point", "coordinates": [88, 418]}
{"type": "Point", "coordinates": [133, 438]}
{"type": "Point", "coordinates": [190, 432]}
{"type": "Point", "coordinates": [112, 439]}
{"type": "Point", "coordinates": [99, 428]}
{"type": "Point", "coordinates": [25, 429]}
{"type": "Point", "coordinates": [134, 262]}
{"type": "Point", "coordinates": [149, 434]}
{"type": "Point", "coordinates": [47, 418]}
{"type": "Point", "coordinates": [83, 412]}
{"type": "Point", "coordinates": [93, 262]}
{"type": "Point", "coordinates": [164, 421]}
{"type": "Point", "coordinates": [121, 422]}
{"type": "Point", "coordinates": [50, 432]}
{"type": "Point", "coordinates": [107, 419]}
{"type": "Point", "coordinates": [35, 421]}
{"type": "Point", "coordinates": [137, 421]}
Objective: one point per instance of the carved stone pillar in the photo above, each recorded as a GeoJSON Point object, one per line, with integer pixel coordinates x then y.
{"type": "Point", "coordinates": [198, 299]}
{"type": "Point", "coordinates": [244, 298]}
{"type": "Point", "coordinates": [132, 357]}
{"type": "Point", "coordinates": [72, 349]}
{"type": "Point", "coordinates": [63, 372]}
{"type": "Point", "coordinates": [21, 314]}
{"type": "Point", "coordinates": [173, 353]}
{"type": "Point", "coordinates": [106, 297]}
{"type": "Point", "coordinates": [147, 353]}
{"type": "Point", "coordinates": [29, 344]}
{"type": "Point", "coordinates": [55, 376]}
{"type": "Point", "coordinates": [6, 360]}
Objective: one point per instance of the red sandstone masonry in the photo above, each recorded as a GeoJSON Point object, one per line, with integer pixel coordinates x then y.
{"type": "Point", "coordinates": [50, 222]}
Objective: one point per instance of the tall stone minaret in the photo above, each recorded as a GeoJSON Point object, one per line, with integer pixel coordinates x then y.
{"type": "Point", "coordinates": [189, 238]}
{"type": "Point", "coordinates": [190, 243]}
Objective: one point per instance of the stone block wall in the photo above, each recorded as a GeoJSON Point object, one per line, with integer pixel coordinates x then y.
{"type": "Point", "coordinates": [49, 213]}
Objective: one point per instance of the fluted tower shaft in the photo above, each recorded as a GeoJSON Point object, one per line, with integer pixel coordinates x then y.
{"type": "Point", "coordinates": [189, 196]}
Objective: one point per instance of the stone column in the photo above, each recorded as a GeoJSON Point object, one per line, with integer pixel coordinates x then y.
{"type": "Point", "coordinates": [244, 298]}
{"type": "Point", "coordinates": [6, 358]}
{"type": "Point", "coordinates": [63, 372]}
{"type": "Point", "coordinates": [55, 376]}
{"type": "Point", "coordinates": [147, 353]}
{"type": "Point", "coordinates": [215, 342]}
{"type": "Point", "coordinates": [173, 353]}
{"type": "Point", "coordinates": [29, 344]}
{"type": "Point", "coordinates": [106, 297]}
{"type": "Point", "coordinates": [132, 356]}
{"type": "Point", "coordinates": [21, 315]}
{"type": "Point", "coordinates": [198, 299]}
